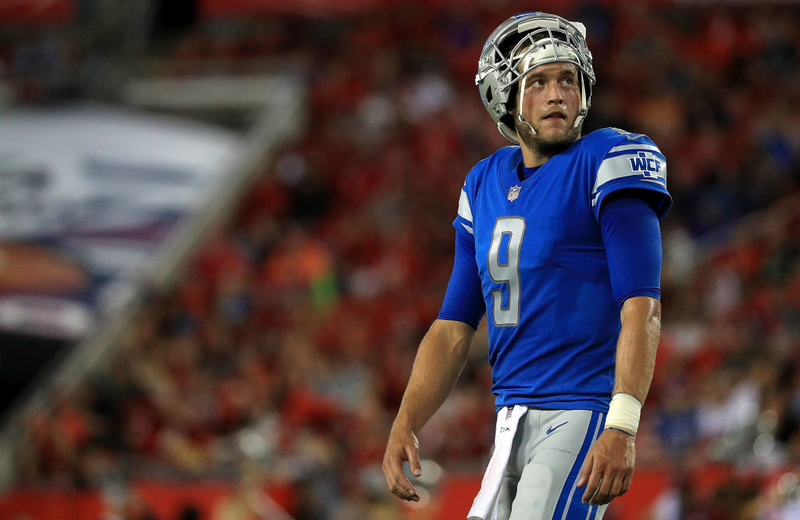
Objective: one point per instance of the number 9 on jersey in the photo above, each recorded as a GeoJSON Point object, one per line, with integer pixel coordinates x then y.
{"type": "Point", "coordinates": [506, 272]}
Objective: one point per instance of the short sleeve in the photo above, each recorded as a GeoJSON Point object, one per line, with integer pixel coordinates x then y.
{"type": "Point", "coordinates": [463, 222]}
{"type": "Point", "coordinates": [635, 163]}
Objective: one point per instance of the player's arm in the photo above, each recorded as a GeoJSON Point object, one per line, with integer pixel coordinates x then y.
{"type": "Point", "coordinates": [608, 469]}
{"type": "Point", "coordinates": [439, 361]}
{"type": "Point", "coordinates": [633, 245]}
{"type": "Point", "coordinates": [636, 348]}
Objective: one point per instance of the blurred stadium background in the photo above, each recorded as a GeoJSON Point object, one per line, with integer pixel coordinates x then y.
{"type": "Point", "coordinates": [225, 226]}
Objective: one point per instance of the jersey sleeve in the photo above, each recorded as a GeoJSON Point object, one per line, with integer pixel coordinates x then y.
{"type": "Point", "coordinates": [633, 163]}
{"type": "Point", "coordinates": [463, 300]}
{"type": "Point", "coordinates": [463, 222]}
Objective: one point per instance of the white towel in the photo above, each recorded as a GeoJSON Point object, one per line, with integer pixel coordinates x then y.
{"type": "Point", "coordinates": [486, 499]}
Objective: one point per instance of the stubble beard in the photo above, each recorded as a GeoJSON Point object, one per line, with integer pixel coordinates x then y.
{"type": "Point", "coordinates": [548, 146]}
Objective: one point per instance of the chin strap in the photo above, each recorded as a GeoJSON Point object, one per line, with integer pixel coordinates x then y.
{"type": "Point", "coordinates": [584, 108]}
{"type": "Point", "coordinates": [521, 119]}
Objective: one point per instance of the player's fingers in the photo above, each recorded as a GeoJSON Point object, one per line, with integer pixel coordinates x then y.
{"type": "Point", "coordinates": [393, 471]}
{"type": "Point", "coordinates": [592, 485]}
{"type": "Point", "coordinates": [400, 486]}
{"type": "Point", "coordinates": [602, 495]}
{"type": "Point", "coordinates": [626, 483]}
{"type": "Point", "coordinates": [396, 481]}
{"type": "Point", "coordinates": [586, 470]}
{"type": "Point", "coordinates": [412, 455]}
{"type": "Point", "coordinates": [614, 490]}
{"type": "Point", "coordinates": [404, 489]}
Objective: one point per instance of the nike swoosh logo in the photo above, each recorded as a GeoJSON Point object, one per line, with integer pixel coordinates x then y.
{"type": "Point", "coordinates": [554, 428]}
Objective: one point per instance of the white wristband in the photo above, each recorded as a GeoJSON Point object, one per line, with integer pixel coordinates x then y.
{"type": "Point", "coordinates": [624, 413]}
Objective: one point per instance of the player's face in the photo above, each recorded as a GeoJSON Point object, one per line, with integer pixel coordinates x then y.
{"type": "Point", "coordinates": [551, 104]}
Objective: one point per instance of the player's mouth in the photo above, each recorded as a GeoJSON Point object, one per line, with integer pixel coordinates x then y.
{"type": "Point", "coordinates": [555, 115]}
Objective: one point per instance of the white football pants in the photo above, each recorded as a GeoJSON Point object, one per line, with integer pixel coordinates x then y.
{"type": "Point", "coordinates": [534, 467]}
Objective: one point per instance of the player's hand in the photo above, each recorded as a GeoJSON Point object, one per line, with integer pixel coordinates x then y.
{"type": "Point", "coordinates": [608, 469]}
{"type": "Point", "coordinates": [402, 446]}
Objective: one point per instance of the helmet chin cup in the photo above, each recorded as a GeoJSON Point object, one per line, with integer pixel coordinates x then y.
{"type": "Point", "coordinates": [522, 43]}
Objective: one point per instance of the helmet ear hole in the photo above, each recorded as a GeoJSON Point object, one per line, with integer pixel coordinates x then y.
{"type": "Point", "coordinates": [511, 104]}
{"type": "Point", "coordinates": [489, 96]}
{"type": "Point", "coordinates": [509, 121]}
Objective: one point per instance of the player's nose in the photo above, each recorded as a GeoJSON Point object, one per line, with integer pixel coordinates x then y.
{"type": "Point", "coordinates": [554, 93]}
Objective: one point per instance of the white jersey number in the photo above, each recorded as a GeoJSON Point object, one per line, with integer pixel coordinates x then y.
{"type": "Point", "coordinates": [506, 273]}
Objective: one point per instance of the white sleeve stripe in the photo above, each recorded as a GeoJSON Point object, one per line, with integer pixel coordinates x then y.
{"type": "Point", "coordinates": [464, 211]}
{"type": "Point", "coordinates": [636, 165]}
{"type": "Point", "coordinates": [469, 229]}
{"type": "Point", "coordinates": [623, 147]}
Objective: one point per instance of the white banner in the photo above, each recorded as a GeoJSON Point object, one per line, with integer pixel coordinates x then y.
{"type": "Point", "coordinates": [87, 197]}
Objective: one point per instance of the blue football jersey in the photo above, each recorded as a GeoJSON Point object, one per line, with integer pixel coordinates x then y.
{"type": "Point", "coordinates": [553, 321]}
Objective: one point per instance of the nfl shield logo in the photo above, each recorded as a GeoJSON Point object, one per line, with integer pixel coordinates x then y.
{"type": "Point", "coordinates": [513, 193]}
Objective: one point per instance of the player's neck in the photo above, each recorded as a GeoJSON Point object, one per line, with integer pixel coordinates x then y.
{"type": "Point", "coordinates": [533, 156]}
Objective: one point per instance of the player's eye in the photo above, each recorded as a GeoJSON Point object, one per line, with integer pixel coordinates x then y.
{"type": "Point", "coordinates": [537, 83]}
{"type": "Point", "coordinates": [568, 82]}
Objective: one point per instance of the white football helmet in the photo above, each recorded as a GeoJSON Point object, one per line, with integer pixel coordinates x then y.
{"type": "Point", "coordinates": [518, 45]}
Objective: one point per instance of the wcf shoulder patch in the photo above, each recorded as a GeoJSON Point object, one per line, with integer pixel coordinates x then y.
{"type": "Point", "coordinates": [646, 163]}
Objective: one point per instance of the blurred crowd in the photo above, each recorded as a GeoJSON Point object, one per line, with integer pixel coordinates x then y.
{"type": "Point", "coordinates": [289, 341]}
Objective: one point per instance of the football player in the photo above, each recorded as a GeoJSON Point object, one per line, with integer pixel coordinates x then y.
{"type": "Point", "coordinates": [558, 243]}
